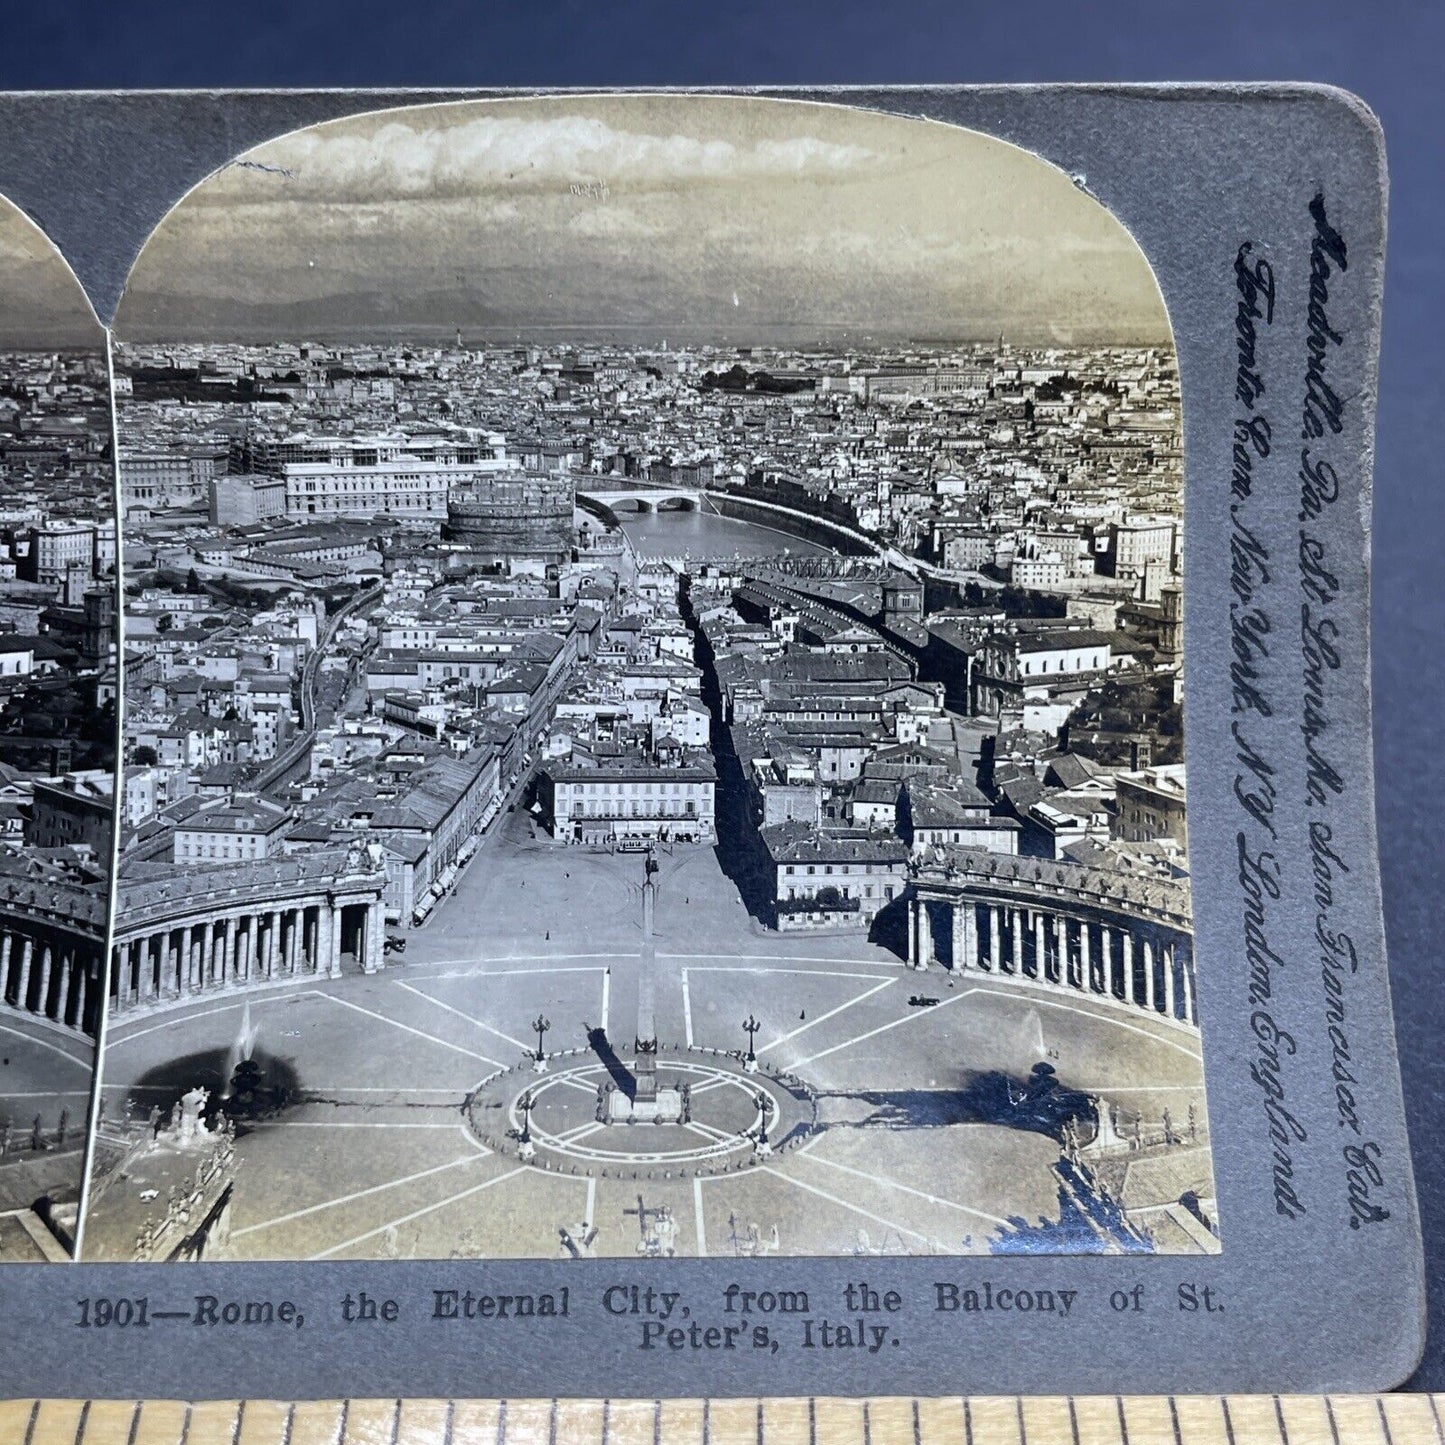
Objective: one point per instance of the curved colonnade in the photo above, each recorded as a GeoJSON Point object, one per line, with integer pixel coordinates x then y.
{"type": "Point", "coordinates": [52, 938]}
{"type": "Point", "coordinates": [1086, 929]}
{"type": "Point", "coordinates": [191, 933]}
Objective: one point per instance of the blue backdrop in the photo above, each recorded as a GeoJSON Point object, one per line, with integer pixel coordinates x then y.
{"type": "Point", "coordinates": [1389, 53]}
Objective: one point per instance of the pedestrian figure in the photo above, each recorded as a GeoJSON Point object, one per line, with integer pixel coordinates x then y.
{"type": "Point", "coordinates": [549, 936]}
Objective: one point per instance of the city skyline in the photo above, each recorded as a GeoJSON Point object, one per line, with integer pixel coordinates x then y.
{"type": "Point", "coordinates": [642, 217]}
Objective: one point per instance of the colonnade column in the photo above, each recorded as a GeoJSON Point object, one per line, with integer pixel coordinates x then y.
{"type": "Point", "coordinates": [73, 976]}
{"type": "Point", "coordinates": [151, 956]}
{"type": "Point", "coordinates": [1148, 947]}
{"type": "Point", "coordinates": [375, 927]}
{"type": "Point", "coordinates": [1017, 939]}
{"type": "Point", "coordinates": [183, 960]}
{"type": "Point", "coordinates": [1167, 952]}
{"type": "Point", "coordinates": [995, 949]}
{"type": "Point", "coordinates": [124, 966]}
{"type": "Point", "coordinates": [42, 996]}
{"type": "Point", "coordinates": [27, 959]}
{"type": "Point", "coordinates": [334, 966]}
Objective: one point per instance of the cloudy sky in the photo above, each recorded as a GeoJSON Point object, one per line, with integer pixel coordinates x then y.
{"type": "Point", "coordinates": [41, 303]}
{"type": "Point", "coordinates": [644, 217]}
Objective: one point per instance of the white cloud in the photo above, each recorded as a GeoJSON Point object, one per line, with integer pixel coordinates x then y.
{"type": "Point", "coordinates": [401, 158]}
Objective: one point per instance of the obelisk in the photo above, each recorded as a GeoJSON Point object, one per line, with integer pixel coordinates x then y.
{"type": "Point", "coordinates": [645, 1044]}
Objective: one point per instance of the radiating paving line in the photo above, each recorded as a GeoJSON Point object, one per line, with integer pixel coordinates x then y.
{"type": "Point", "coordinates": [844, 1203]}
{"type": "Point", "coordinates": [420, 1033]}
{"type": "Point", "coordinates": [582, 1131]}
{"type": "Point", "coordinates": [706, 1131]}
{"type": "Point", "coordinates": [465, 1017]}
{"type": "Point", "coordinates": [419, 1213]}
{"type": "Point", "coordinates": [1108, 1017]}
{"type": "Point", "coordinates": [786, 958]}
{"type": "Point", "coordinates": [883, 1029]}
{"type": "Point", "coordinates": [697, 1215]}
{"type": "Point", "coordinates": [450, 971]}
{"type": "Point", "coordinates": [46, 1044]}
{"type": "Point", "coordinates": [904, 1188]}
{"type": "Point", "coordinates": [48, 1093]}
{"type": "Point", "coordinates": [802, 972]}
{"type": "Point", "coordinates": [119, 1033]}
{"type": "Point", "coordinates": [349, 1198]}
{"type": "Point", "coordinates": [344, 1124]}
{"type": "Point", "coordinates": [823, 1018]}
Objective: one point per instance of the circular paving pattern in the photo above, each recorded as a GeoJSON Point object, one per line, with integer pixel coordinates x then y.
{"type": "Point", "coordinates": [579, 1117]}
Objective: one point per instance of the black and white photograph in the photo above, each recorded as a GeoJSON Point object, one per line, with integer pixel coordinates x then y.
{"type": "Point", "coordinates": [58, 698]}
{"type": "Point", "coordinates": [653, 683]}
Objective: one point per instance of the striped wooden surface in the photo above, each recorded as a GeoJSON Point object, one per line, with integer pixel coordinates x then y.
{"type": "Point", "coordinates": [979, 1420]}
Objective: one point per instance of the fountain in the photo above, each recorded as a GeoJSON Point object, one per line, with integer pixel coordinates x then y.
{"type": "Point", "coordinates": [239, 1063]}
{"type": "Point", "coordinates": [1029, 1037]}
{"type": "Point", "coordinates": [246, 1093]}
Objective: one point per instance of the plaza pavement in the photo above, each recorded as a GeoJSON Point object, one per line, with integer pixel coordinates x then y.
{"type": "Point", "coordinates": [378, 1160]}
{"type": "Point", "coordinates": [43, 1070]}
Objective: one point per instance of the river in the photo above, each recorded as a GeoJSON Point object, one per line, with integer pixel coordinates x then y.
{"type": "Point", "coordinates": [703, 534]}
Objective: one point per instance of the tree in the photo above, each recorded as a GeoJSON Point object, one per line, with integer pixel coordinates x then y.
{"type": "Point", "coordinates": [145, 756]}
{"type": "Point", "coordinates": [193, 582]}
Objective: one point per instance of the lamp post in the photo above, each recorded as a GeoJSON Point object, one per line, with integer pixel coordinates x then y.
{"type": "Point", "coordinates": [750, 1061]}
{"type": "Point", "coordinates": [526, 1150]}
{"type": "Point", "coordinates": [761, 1145]}
{"type": "Point", "coordinates": [540, 1025]}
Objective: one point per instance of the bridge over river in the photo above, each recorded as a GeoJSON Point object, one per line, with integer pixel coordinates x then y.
{"type": "Point", "coordinates": [723, 524]}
